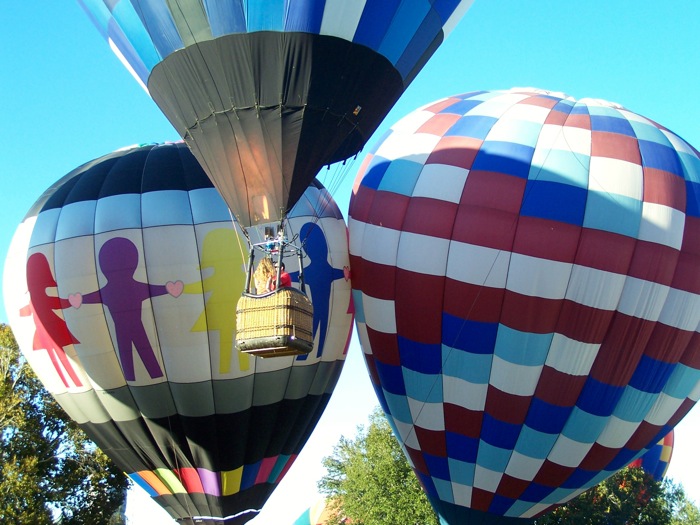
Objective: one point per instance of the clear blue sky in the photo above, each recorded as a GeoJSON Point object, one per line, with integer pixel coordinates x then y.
{"type": "Point", "coordinates": [67, 100]}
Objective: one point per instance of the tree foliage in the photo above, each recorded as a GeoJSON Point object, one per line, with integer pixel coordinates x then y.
{"type": "Point", "coordinates": [369, 481]}
{"type": "Point", "coordinates": [50, 471]}
{"type": "Point", "coordinates": [629, 497]}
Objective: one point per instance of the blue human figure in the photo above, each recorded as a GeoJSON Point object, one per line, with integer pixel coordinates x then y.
{"type": "Point", "coordinates": [123, 296]}
{"type": "Point", "coordinates": [319, 276]}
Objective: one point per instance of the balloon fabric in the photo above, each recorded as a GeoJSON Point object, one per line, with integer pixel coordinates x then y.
{"type": "Point", "coordinates": [121, 287]}
{"type": "Point", "coordinates": [268, 92]}
{"type": "Point", "coordinates": [526, 276]}
{"type": "Point", "coordinates": [656, 460]}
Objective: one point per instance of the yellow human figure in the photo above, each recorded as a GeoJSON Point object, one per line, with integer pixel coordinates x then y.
{"type": "Point", "coordinates": [222, 255]}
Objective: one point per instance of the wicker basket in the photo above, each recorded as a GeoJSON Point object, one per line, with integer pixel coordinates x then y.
{"type": "Point", "coordinates": [276, 324]}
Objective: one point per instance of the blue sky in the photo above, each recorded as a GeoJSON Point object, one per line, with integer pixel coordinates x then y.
{"type": "Point", "coordinates": [67, 100]}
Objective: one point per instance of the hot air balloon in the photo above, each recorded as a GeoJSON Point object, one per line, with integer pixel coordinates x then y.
{"type": "Point", "coordinates": [526, 276]}
{"type": "Point", "coordinates": [318, 514]}
{"type": "Point", "coordinates": [657, 459]}
{"type": "Point", "coordinates": [121, 285]}
{"type": "Point", "coordinates": [267, 92]}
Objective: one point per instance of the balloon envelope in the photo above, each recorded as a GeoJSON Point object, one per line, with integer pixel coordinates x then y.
{"type": "Point", "coordinates": [121, 287]}
{"type": "Point", "coordinates": [268, 92]}
{"type": "Point", "coordinates": [526, 271]}
{"type": "Point", "coordinates": [656, 460]}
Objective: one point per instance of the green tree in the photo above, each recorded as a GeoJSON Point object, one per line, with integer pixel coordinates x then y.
{"type": "Point", "coordinates": [50, 471]}
{"type": "Point", "coordinates": [369, 481]}
{"type": "Point", "coordinates": [629, 497]}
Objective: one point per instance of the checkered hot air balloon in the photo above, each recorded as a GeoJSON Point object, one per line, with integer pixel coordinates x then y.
{"type": "Point", "coordinates": [267, 92]}
{"type": "Point", "coordinates": [121, 286]}
{"type": "Point", "coordinates": [526, 275]}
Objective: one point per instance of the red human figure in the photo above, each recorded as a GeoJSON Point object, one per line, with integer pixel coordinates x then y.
{"type": "Point", "coordinates": [52, 333]}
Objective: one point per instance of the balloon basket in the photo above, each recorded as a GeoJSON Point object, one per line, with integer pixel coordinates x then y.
{"type": "Point", "coordinates": [275, 324]}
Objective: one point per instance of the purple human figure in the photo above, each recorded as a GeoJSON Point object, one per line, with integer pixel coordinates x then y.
{"type": "Point", "coordinates": [123, 296]}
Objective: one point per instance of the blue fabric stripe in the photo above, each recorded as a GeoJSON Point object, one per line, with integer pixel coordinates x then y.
{"type": "Point", "coordinates": [225, 17]}
{"type": "Point", "coordinates": [376, 19]}
{"type": "Point", "coordinates": [554, 201]}
{"type": "Point", "coordinates": [304, 16]}
{"type": "Point", "coordinates": [499, 433]}
{"type": "Point", "coordinates": [139, 40]}
{"type": "Point", "coordinates": [534, 444]}
{"type": "Point", "coordinates": [391, 378]}
{"type": "Point", "coordinates": [461, 472]}
{"type": "Point", "coordinates": [437, 466]}
{"type": "Point", "coordinates": [461, 448]}
{"type": "Point", "coordinates": [522, 348]}
{"type": "Point", "coordinates": [660, 156]}
{"type": "Point", "coordinates": [583, 426]}
{"type": "Point", "coordinates": [401, 177]}
{"type": "Point", "coordinates": [375, 172]}
{"type": "Point", "coordinates": [614, 213]}
{"type": "Point", "coordinates": [651, 375]}
{"type": "Point", "coordinates": [493, 457]}
{"type": "Point", "coordinates": [155, 17]}
{"type": "Point", "coordinates": [472, 336]}
{"type": "Point", "coordinates": [634, 404]}
{"type": "Point", "coordinates": [420, 44]}
{"type": "Point", "coordinates": [265, 15]}
{"type": "Point", "coordinates": [420, 357]}
{"type": "Point", "coordinates": [423, 387]}
{"type": "Point", "coordinates": [474, 126]}
{"type": "Point", "coordinates": [404, 26]}
{"type": "Point", "coordinates": [136, 478]}
{"type": "Point", "coordinates": [472, 367]}
{"type": "Point", "coordinates": [445, 8]}
{"type": "Point", "coordinates": [547, 418]}
{"type": "Point", "coordinates": [535, 492]}
{"type": "Point", "coordinates": [611, 124]}
{"type": "Point", "coordinates": [599, 398]}
{"type": "Point", "coordinates": [504, 157]}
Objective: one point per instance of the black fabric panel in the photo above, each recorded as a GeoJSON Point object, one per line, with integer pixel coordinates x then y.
{"type": "Point", "coordinates": [173, 167]}
{"type": "Point", "coordinates": [126, 175]}
{"type": "Point", "coordinates": [303, 90]}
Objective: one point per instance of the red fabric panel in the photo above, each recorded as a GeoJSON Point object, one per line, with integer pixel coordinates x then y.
{"type": "Point", "coordinates": [621, 350]}
{"type": "Point", "coordinates": [485, 227]}
{"type": "Point", "coordinates": [388, 210]}
{"type": "Point", "coordinates": [663, 187]}
{"type": "Point", "coordinates": [654, 262]}
{"type": "Point", "coordinates": [583, 323]}
{"type": "Point", "coordinates": [431, 442]}
{"type": "Point", "coordinates": [493, 190]}
{"type": "Point", "coordinates": [547, 239]}
{"type": "Point", "coordinates": [431, 217]}
{"type": "Point", "coordinates": [419, 306]}
{"type": "Point", "coordinates": [530, 314]}
{"type": "Point", "coordinates": [439, 124]}
{"type": "Point", "coordinates": [558, 388]}
{"type": "Point", "coordinates": [506, 407]}
{"type": "Point", "coordinates": [463, 421]}
{"type": "Point", "coordinates": [455, 151]}
{"type": "Point", "coordinates": [615, 146]}
{"type": "Point", "coordinates": [473, 302]}
{"type": "Point", "coordinates": [385, 347]}
{"type": "Point", "coordinates": [552, 474]}
{"type": "Point", "coordinates": [481, 499]}
{"type": "Point", "coordinates": [598, 457]}
{"type": "Point", "coordinates": [511, 487]}
{"type": "Point", "coordinates": [605, 251]}
{"type": "Point", "coordinates": [376, 280]}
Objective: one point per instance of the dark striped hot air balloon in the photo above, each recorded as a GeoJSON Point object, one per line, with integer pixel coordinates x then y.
{"type": "Point", "coordinates": [121, 285]}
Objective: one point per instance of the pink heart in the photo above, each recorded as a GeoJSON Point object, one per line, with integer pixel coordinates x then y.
{"type": "Point", "coordinates": [175, 288]}
{"type": "Point", "coordinates": [346, 272]}
{"type": "Point", "coordinates": [75, 300]}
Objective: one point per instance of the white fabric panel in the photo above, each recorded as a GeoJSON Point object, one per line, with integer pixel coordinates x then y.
{"type": "Point", "coordinates": [462, 494]}
{"type": "Point", "coordinates": [44, 228]}
{"type": "Point", "coordinates": [523, 467]}
{"type": "Point", "coordinates": [497, 106]}
{"type": "Point", "coordinates": [552, 136]}
{"type": "Point", "coordinates": [117, 212]}
{"type": "Point", "coordinates": [463, 393]}
{"type": "Point", "coordinates": [662, 224]}
{"type": "Point", "coordinates": [380, 314]}
{"type": "Point", "coordinates": [595, 288]}
{"type": "Point", "coordinates": [676, 142]}
{"type": "Point", "coordinates": [407, 434]}
{"type": "Point", "coordinates": [410, 147]}
{"type": "Point", "coordinates": [568, 452]}
{"type": "Point", "coordinates": [537, 277]}
{"type": "Point", "coordinates": [478, 265]}
{"type": "Point", "coordinates": [442, 182]}
{"type": "Point", "coordinates": [375, 244]}
{"type": "Point", "coordinates": [663, 409]}
{"type": "Point", "coordinates": [427, 415]}
{"type": "Point", "coordinates": [356, 230]}
{"type": "Point", "coordinates": [681, 310]}
{"type": "Point", "coordinates": [571, 357]}
{"type": "Point", "coordinates": [341, 18]}
{"type": "Point", "coordinates": [364, 338]}
{"type": "Point", "coordinates": [486, 479]}
{"type": "Point", "coordinates": [76, 219]}
{"type": "Point", "coordinates": [514, 379]}
{"type": "Point", "coordinates": [616, 176]}
{"type": "Point", "coordinates": [617, 432]}
{"type": "Point", "coordinates": [527, 112]}
{"type": "Point", "coordinates": [413, 253]}
{"type": "Point", "coordinates": [642, 299]}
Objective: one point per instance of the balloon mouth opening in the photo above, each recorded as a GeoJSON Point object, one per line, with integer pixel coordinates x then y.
{"type": "Point", "coordinates": [200, 519]}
